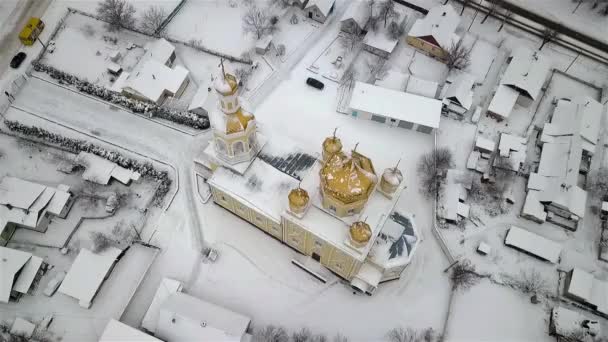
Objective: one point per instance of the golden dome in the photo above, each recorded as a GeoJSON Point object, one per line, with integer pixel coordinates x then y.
{"type": "Point", "coordinates": [360, 233]}
{"type": "Point", "coordinates": [391, 179]}
{"type": "Point", "coordinates": [332, 145]}
{"type": "Point", "coordinates": [238, 121]}
{"type": "Point", "coordinates": [348, 179]}
{"type": "Point", "coordinates": [226, 85]}
{"type": "Point", "coordinates": [298, 200]}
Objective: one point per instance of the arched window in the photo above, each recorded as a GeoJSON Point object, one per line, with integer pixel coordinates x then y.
{"type": "Point", "coordinates": [229, 105]}
{"type": "Point", "coordinates": [252, 142]}
{"type": "Point", "coordinates": [221, 146]}
{"type": "Point", "coordinates": [222, 104]}
{"type": "Point", "coordinates": [238, 147]}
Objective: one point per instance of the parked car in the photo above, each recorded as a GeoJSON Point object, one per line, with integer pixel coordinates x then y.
{"type": "Point", "coordinates": [315, 83]}
{"type": "Point", "coordinates": [53, 284]}
{"type": "Point", "coordinates": [17, 60]}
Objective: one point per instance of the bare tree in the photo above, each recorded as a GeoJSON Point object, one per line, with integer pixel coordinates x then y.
{"type": "Point", "coordinates": [243, 75]}
{"type": "Point", "coordinates": [532, 282]}
{"type": "Point", "coordinates": [281, 3]}
{"type": "Point", "coordinates": [387, 11]}
{"type": "Point", "coordinates": [395, 31]}
{"type": "Point", "coordinates": [377, 68]}
{"type": "Point", "coordinates": [257, 21]}
{"type": "Point", "coordinates": [463, 275]}
{"type": "Point", "coordinates": [100, 241]}
{"type": "Point", "coordinates": [548, 35]}
{"type": "Point", "coordinates": [350, 41]}
{"type": "Point", "coordinates": [117, 13]}
{"type": "Point", "coordinates": [372, 22]}
{"type": "Point", "coordinates": [505, 17]}
{"type": "Point", "coordinates": [494, 6]}
{"type": "Point", "coordinates": [302, 335]}
{"type": "Point", "coordinates": [152, 20]}
{"type": "Point", "coordinates": [340, 338]}
{"type": "Point", "coordinates": [410, 335]}
{"type": "Point", "coordinates": [578, 4]}
{"type": "Point", "coordinates": [348, 80]}
{"type": "Point", "coordinates": [270, 333]}
{"type": "Point", "coordinates": [597, 182]}
{"type": "Point", "coordinates": [431, 168]}
{"type": "Point", "coordinates": [458, 56]}
{"type": "Point", "coordinates": [465, 3]}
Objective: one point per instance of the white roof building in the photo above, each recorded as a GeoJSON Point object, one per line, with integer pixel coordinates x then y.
{"type": "Point", "coordinates": [534, 244]}
{"type": "Point", "coordinates": [324, 6]}
{"type": "Point", "coordinates": [418, 86]}
{"type": "Point", "coordinates": [159, 50]}
{"type": "Point", "coordinates": [438, 27]}
{"type": "Point", "coordinates": [451, 201]}
{"type": "Point", "coordinates": [393, 79]}
{"type": "Point", "coordinates": [526, 72]}
{"type": "Point", "coordinates": [358, 12]}
{"type": "Point", "coordinates": [18, 270]}
{"type": "Point", "coordinates": [186, 318]}
{"type": "Point", "coordinates": [166, 288]}
{"type": "Point", "coordinates": [100, 170]}
{"type": "Point", "coordinates": [396, 105]}
{"type": "Point", "coordinates": [154, 81]}
{"type": "Point", "coordinates": [116, 331]}
{"type": "Point", "coordinates": [511, 152]}
{"type": "Point", "coordinates": [380, 41]}
{"type": "Point", "coordinates": [503, 102]}
{"type": "Point", "coordinates": [583, 287]}
{"type": "Point", "coordinates": [460, 90]}
{"type": "Point", "coordinates": [203, 101]}
{"type": "Point", "coordinates": [87, 274]}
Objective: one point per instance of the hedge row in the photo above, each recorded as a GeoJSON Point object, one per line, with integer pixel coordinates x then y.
{"type": "Point", "coordinates": [145, 169]}
{"type": "Point", "coordinates": [136, 106]}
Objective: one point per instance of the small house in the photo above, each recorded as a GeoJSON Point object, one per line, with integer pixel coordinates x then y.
{"type": "Point", "coordinates": [19, 269]}
{"type": "Point", "coordinates": [379, 43]}
{"type": "Point", "coordinates": [263, 45]}
{"type": "Point", "coordinates": [319, 10]}
{"type": "Point", "coordinates": [395, 108]}
{"type": "Point", "coordinates": [459, 95]}
{"type": "Point", "coordinates": [435, 33]}
{"type": "Point", "coordinates": [533, 244]}
{"type": "Point", "coordinates": [161, 51]}
{"type": "Point", "coordinates": [203, 102]}
{"type": "Point", "coordinates": [355, 18]}
{"type": "Point", "coordinates": [155, 82]}
{"type": "Point", "coordinates": [299, 3]}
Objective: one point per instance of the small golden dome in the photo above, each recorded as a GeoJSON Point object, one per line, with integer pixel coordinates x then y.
{"type": "Point", "coordinates": [360, 233]}
{"type": "Point", "coordinates": [391, 179]}
{"type": "Point", "coordinates": [298, 200]}
{"type": "Point", "coordinates": [238, 121]}
{"type": "Point", "coordinates": [226, 85]}
{"type": "Point", "coordinates": [348, 179]}
{"type": "Point", "coordinates": [332, 145]}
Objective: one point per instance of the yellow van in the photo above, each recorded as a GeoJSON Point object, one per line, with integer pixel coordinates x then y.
{"type": "Point", "coordinates": [31, 31]}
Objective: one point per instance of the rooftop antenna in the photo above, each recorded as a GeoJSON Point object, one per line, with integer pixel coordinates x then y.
{"type": "Point", "coordinates": [222, 65]}
{"type": "Point", "coordinates": [399, 161]}
{"type": "Point", "coordinates": [355, 149]}
{"type": "Point", "coordinates": [335, 130]}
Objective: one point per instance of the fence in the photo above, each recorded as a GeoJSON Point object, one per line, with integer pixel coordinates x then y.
{"type": "Point", "coordinates": [12, 90]}
{"type": "Point", "coordinates": [170, 17]}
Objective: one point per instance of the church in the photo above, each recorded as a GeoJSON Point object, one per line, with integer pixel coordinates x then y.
{"type": "Point", "coordinates": [331, 207]}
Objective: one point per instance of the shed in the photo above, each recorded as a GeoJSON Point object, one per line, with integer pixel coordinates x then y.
{"type": "Point", "coordinates": [418, 86]}
{"type": "Point", "coordinates": [263, 45]}
{"type": "Point", "coordinates": [460, 91]}
{"type": "Point", "coordinates": [355, 17]}
{"type": "Point", "coordinates": [203, 102]}
{"type": "Point", "coordinates": [503, 102]}
{"type": "Point", "coordinates": [12, 261]}
{"type": "Point", "coordinates": [23, 328]}
{"type": "Point", "coordinates": [484, 145]}
{"type": "Point", "coordinates": [319, 10]}
{"type": "Point", "coordinates": [533, 244]}
{"type": "Point", "coordinates": [114, 68]}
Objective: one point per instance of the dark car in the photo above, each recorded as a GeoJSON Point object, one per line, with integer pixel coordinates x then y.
{"type": "Point", "coordinates": [315, 83]}
{"type": "Point", "coordinates": [17, 60]}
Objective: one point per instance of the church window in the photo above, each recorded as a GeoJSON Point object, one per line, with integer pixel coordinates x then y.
{"type": "Point", "coordinates": [222, 104]}
{"type": "Point", "coordinates": [221, 146]}
{"type": "Point", "coordinates": [238, 147]}
{"type": "Point", "coordinates": [229, 105]}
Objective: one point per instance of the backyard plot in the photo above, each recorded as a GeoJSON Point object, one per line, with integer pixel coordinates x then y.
{"type": "Point", "coordinates": [335, 59]}
{"type": "Point", "coordinates": [292, 35]}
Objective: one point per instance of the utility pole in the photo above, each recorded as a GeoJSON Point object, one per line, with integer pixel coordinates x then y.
{"type": "Point", "coordinates": [41, 43]}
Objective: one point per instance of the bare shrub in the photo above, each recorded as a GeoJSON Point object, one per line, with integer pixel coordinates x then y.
{"type": "Point", "coordinates": [458, 56]}
{"type": "Point", "coordinates": [243, 75]}
{"type": "Point", "coordinates": [270, 333]}
{"type": "Point", "coordinates": [395, 30]}
{"type": "Point", "coordinates": [152, 19]}
{"type": "Point", "coordinates": [302, 335]}
{"type": "Point", "coordinates": [281, 49]}
{"type": "Point", "coordinates": [117, 13]}
{"type": "Point", "coordinates": [463, 275]}
{"type": "Point", "coordinates": [597, 182]}
{"type": "Point", "coordinates": [340, 338]}
{"type": "Point", "coordinates": [257, 21]}
{"type": "Point", "coordinates": [100, 242]}
{"type": "Point", "coordinates": [548, 35]}
{"type": "Point", "coordinates": [387, 11]}
{"type": "Point", "coordinates": [411, 335]}
{"type": "Point", "coordinates": [350, 41]}
{"type": "Point", "coordinates": [431, 168]}
{"type": "Point", "coordinates": [376, 67]}
{"type": "Point", "coordinates": [532, 282]}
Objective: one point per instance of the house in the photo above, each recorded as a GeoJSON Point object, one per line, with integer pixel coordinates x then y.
{"type": "Point", "coordinates": [319, 10]}
{"type": "Point", "coordinates": [583, 287]}
{"type": "Point", "coordinates": [19, 269]}
{"type": "Point", "coordinates": [521, 82]}
{"type": "Point", "coordinates": [100, 170]}
{"type": "Point", "coordinates": [166, 288]}
{"type": "Point", "coordinates": [563, 323]}
{"type": "Point", "coordinates": [299, 3]}
{"type": "Point", "coordinates": [533, 244]}
{"type": "Point", "coordinates": [263, 45]}
{"type": "Point", "coordinates": [511, 152]}
{"type": "Point", "coordinates": [418, 86]}
{"type": "Point", "coordinates": [154, 82]}
{"type": "Point", "coordinates": [435, 33]}
{"type": "Point", "coordinates": [185, 318]}
{"type": "Point", "coordinates": [451, 205]}
{"type": "Point", "coordinates": [203, 102]}
{"type": "Point", "coordinates": [29, 205]}
{"type": "Point", "coordinates": [87, 274]}
{"type": "Point", "coordinates": [459, 95]}
{"type": "Point", "coordinates": [393, 79]}
{"type": "Point", "coordinates": [116, 331]}
{"type": "Point", "coordinates": [161, 51]}
{"type": "Point", "coordinates": [354, 20]}
{"type": "Point", "coordinates": [379, 43]}
{"type": "Point", "coordinates": [395, 108]}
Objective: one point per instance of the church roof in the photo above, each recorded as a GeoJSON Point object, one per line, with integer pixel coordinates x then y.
{"type": "Point", "coordinates": [348, 178]}
{"type": "Point", "coordinates": [231, 123]}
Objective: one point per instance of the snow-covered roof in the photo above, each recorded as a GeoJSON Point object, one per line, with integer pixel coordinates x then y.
{"type": "Point", "coordinates": [19, 193]}
{"type": "Point", "coordinates": [588, 289]}
{"type": "Point", "coordinates": [87, 273]}
{"type": "Point", "coordinates": [204, 99]}
{"type": "Point", "coordinates": [395, 104]}
{"type": "Point", "coordinates": [22, 327]}
{"type": "Point", "coordinates": [527, 72]}
{"type": "Point", "coordinates": [484, 144]}
{"type": "Point", "coordinates": [159, 50]}
{"type": "Point", "coordinates": [461, 90]}
{"type": "Point", "coordinates": [11, 262]}
{"type": "Point", "coordinates": [455, 190]}
{"type": "Point", "coordinates": [151, 79]}
{"type": "Point", "coordinates": [27, 274]}
{"type": "Point", "coordinates": [534, 244]}
{"type": "Point", "coordinates": [511, 151]}
{"type": "Point", "coordinates": [533, 208]}
{"type": "Point", "coordinates": [100, 170]}
{"type": "Point", "coordinates": [397, 241]}
{"type": "Point", "coordinates": [439, 24]}
{"type": "Point", "coordinates": [166, 288]}
{"type": "Point", "coordinates": [581, 116]}
{"type": "Point", "coordinates": [367, 278]}
{"type": "Point", "coordinates": [263, 43]}
{"type": "Point", "coordinates": [323, 5]}
{"type": "Point", "coordinates": [186, 318]}
{"type": "Point", "coordinates": [393, 79]}
{"type": "Point", "coordinates": [380, 40]}
{"type": "Point", "coordinates": [566, 321]}
{"type": "Point", "coordinates": [503, 101]}
{"type": "Point", "coordinates": [418, 86]}
{"type": "Point", "coordinates": [116, 331]}
{"type": "Point", "coordinates": [358, 11]}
